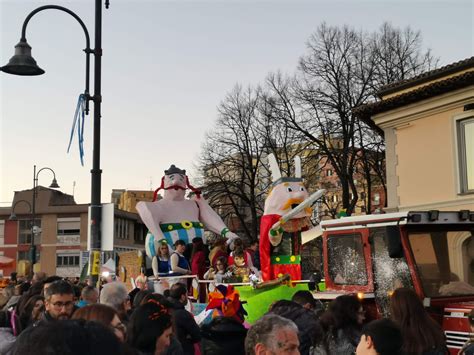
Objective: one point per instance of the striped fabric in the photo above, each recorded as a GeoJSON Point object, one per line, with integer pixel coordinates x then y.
{"type": "Point", "coordinates": [184, 230]}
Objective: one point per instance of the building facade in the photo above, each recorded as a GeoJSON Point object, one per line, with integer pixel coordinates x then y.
{"type": "Point", "coordinates": [428, 124]}
{"type": "Point", "coordinates": [126, 200]}
{"type": "Point", "coordinates": [63, 236]}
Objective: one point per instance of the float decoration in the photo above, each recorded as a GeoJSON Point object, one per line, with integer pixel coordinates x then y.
{"type": "Point", "coordinates": [286, 214]}
{"type": "Point", "coordinates": [174, 217]}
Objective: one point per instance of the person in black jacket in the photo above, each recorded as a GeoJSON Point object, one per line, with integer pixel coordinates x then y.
{"type": "Point", "coordinates": [223, 336]}
{"type": "Point", "coordinates": [187, 330]}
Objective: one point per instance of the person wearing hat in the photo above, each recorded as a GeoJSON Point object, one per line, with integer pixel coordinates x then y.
{"type": "Point", "coordinates": [175, 218]}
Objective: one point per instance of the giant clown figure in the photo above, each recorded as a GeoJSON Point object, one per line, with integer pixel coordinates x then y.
{"type": "Point", "coordinates": [286, 214]}
{"type": "Point", "coordinates": [173, 217]}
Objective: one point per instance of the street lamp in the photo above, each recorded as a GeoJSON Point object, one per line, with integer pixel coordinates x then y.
{"type": "Point", "coordinates": [22, 63]}
{"type": "Point", "coordinates": [34, 228]}
{"type": "Point", "coordinates": [13, 216]}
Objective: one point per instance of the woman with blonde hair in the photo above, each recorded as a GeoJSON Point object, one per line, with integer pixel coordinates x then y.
{"type": "Point", "coordinates": [161, 262]}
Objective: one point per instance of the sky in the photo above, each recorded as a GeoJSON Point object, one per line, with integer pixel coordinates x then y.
{"type": "Point", "coordinates": [166, 66]}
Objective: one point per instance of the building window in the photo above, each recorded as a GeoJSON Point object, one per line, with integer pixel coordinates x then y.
{"type": "Point", "coordinates": [24, 231]}
{"type": "Point", "coordinates": [140, 233]}
{"type": "Point", "coordinates": [69, 226]}
{"type": "Point", "coordinates": [2, 232]}
{"type": "Point", "coordinates": [67, 260]}
{"type": "Point", "coordinates": [465, 131]}
{"type": "Point", "coordinates": [121, 230]}
{"type": "Point", "coordinates": [24, 255]}
{"type": "Point", "coordinates": [69, 231]}
{"type": "Point", "coordinates": [329, 172]}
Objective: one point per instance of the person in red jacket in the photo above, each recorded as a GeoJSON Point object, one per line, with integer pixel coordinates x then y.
{"type": "Point", "coordinates": [198, 265]}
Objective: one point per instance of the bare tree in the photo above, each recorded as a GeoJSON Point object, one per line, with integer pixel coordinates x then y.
{"type": "Point", "coordinates": [231, 162]}
{"type": "Point", "coordinates": [398, 55]}
{"type": "Point", "coordinates": [309, 114]}
{"type": "Point", "coordinates": [343, 69]}
{"type": "Point", "coordinates": [284, 142]}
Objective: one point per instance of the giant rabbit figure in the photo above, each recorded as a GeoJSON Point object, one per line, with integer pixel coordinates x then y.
{"type": "Point", "coordinates": [286, 214]}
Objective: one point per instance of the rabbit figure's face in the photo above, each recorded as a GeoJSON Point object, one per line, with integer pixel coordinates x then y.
{"type": "Point", "coordinates": [285, 196]}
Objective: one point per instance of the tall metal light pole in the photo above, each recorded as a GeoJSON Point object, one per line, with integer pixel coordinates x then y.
{"type": "Point", "coordinates": [22, 63]}
{"type": "Point", "coordinates": [13, 217]}
{"type": "Point", "coordinates": [34, 228]}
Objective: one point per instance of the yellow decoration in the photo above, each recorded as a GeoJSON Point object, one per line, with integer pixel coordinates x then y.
{"type": "Point", "coordinates": [170, 227]}
{"type": "Point", "coordinates": [94, 270]}
{"type": "Point", "coordinates": [277, 258]}
{"type": "Point", "coordinates": [187, 224]}
{"type": "Point", "coordinates": [292, 258]}
{"type": "Point", "coordinates": [280, 274]}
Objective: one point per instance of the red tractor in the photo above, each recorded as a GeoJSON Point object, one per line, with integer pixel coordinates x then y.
{"type": "Point", "coordinates": [431, 252]}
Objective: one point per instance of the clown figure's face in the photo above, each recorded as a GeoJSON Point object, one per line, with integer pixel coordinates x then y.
{"type": "Point", "coordinates": [175, 181]}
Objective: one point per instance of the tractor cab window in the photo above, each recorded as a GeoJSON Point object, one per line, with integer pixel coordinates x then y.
{"type": "Point", "coordinates": [389, 273]}
{"type": "Point", "coordinates": [346, 261]}
{"type": "Point", "coordinates": [445, 261]}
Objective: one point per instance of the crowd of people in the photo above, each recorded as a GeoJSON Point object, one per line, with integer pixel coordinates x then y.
{"type": "Point", "coordinates": [51, 315]}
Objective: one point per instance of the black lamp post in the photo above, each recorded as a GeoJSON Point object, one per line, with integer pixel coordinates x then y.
{"type": "Point", "coordinates": [22, 63]}
{"type": "Point", "coordinates": [13, 217]}
{"type": "Point", "coordinates": [34, 228]}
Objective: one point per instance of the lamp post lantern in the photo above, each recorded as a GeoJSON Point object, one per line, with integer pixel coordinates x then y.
{"type": "Point", "coordinates": [22, 63]}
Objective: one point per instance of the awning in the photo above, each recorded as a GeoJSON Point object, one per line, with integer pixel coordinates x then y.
{"type": "Point", "coordinates": [6, 261]}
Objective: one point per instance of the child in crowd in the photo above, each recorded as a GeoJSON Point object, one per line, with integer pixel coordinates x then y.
{"type": "Point", "coordinates": [219, 272]}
